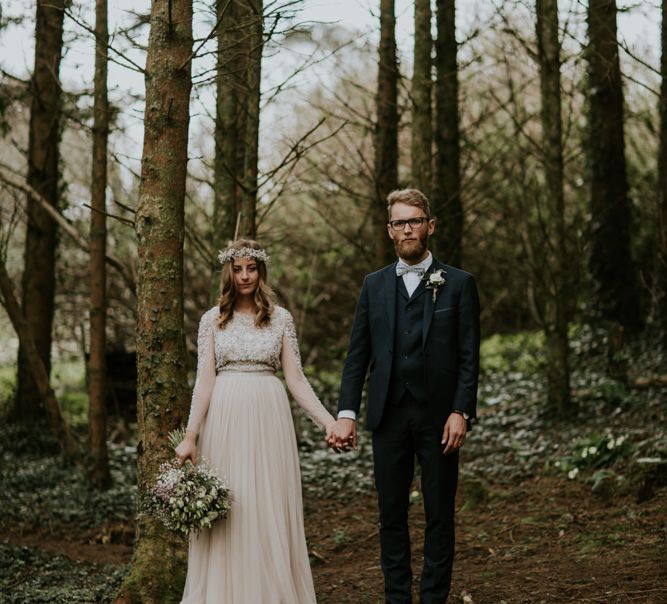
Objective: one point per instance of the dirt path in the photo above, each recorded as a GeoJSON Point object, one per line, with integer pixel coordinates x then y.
{"type": "Point", "coordinates": [547, 540]}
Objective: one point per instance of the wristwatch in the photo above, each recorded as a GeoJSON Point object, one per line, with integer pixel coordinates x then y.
{"type": "Point", "coordinates": [463, 413]}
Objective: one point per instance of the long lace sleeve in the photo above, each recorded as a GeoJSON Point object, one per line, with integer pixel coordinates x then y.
{"type": "Point", "coordinates": [297, 383]}
{"type": "Point", "coordinates": [205, 380]}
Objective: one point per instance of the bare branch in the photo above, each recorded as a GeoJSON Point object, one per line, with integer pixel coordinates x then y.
{"type": "Point", "coordinates": [66, 226]}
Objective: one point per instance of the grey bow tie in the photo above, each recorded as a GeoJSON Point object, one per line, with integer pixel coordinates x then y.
{"type": "Point", "coordinates": [402, 269]}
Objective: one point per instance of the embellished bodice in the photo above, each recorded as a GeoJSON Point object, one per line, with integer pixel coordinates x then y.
{"type": "Point", "coordinates": [242, 346]}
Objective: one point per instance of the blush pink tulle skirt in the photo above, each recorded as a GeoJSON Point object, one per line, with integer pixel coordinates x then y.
{"type": "Point", "coordinates": [258, 554]}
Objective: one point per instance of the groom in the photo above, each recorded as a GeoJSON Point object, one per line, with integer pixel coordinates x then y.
{"type": "Point", "coordinates": [416, 329]}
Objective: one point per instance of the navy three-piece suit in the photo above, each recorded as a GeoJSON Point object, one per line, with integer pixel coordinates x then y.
{"type": "Point", "coordinates": [423, 358]}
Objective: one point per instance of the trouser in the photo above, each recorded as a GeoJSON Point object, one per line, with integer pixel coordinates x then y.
{"type": "Point", "coordinates": [407, 431]}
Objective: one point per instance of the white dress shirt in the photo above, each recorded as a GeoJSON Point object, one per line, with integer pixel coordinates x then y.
{"type": "Point", "coordinates": [411, 279]}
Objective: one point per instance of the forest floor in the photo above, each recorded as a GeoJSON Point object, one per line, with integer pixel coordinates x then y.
{"type": "Point", "coordinates": [546, 512]}
{"type": "Point", "coordinates": [543, 540]}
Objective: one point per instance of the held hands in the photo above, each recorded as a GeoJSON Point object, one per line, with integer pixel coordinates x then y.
{"type": "Point", "coordinates": [342, 434]}
{"type": "Point", "coordinates": [187, 449]}
{"type": "Point", "coordinates": [454, 434]}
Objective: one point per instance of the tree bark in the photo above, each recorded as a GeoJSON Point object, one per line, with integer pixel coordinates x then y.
{"type": "Point", "coordinates": [21, 326]}
{"type": "Point", "coordinates": [100, 475]}
{"type": "Point", "coordinates": [238, 79]}
{"type": "Point", "coordinates": [554, 281]}
{"type": "Point", "coordinates": [661, 272]}
{"type": "Point", "coordinates": [38, 283]}
{"type": "Point", "coordinates": [248, 225]}
{"type": "Point", "coordinates": [447, 206]}
{"type": "Point", "coordinates": [422, 128]}
{"type": "Point", "coordinates": [611, 264]}
{"type": "Point", "coordinates": [386, 128]}
{"type": "Point", "coordinates": [159, 560]}
{"type": "Point", "coordinates": [226, 205]}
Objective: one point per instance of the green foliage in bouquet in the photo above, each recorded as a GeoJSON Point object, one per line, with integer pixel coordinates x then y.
{"type": "Point", "coordinates": [187, 498]}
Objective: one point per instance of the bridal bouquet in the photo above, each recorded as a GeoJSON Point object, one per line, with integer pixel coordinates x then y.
{"type": "Point", "coordinates": [189, 497]}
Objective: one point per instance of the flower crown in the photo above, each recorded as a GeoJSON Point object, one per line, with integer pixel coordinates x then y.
{"type": "Point", "coordinates": [229, 254]}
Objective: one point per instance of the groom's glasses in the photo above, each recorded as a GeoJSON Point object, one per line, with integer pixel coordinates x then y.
{"type": "Point", "coordinates": [415, 223]}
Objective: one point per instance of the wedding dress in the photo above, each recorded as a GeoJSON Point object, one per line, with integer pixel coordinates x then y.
{"type": "Point", "coordinates": [240, 409]}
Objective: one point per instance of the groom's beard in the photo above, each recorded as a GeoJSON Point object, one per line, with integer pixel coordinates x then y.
{"type": "Point", "coordinates": [412, 250]}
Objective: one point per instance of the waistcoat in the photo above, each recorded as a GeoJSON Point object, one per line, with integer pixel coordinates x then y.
{"type": "Point", "coordinates": [407, 370]}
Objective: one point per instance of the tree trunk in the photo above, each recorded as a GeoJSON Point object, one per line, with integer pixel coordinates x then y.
{"type": "Point", "coordinates": [226, 202]}
{"type": "Point", "coordinates": [386, 129]}
{"type": "Point", "coordinates": [661, 271]}
{"type": "Point", "coordinates": [422, 129]}
{"type": "Point", "coordinates": [97, 425]}
{"type": "Point", "coordinates": [159, 561]}
{"type": "Point", "coordinates": [248, 225]}
{"type": "Point", "coordinates": [59, 427]}
{"type": "Point", "coordinates": [447, 206]}
{"type": "Point", "coordinates": [39, 282]}
{"type": "Point", "coordinates": [554, 281]}
{"type": "Point", "coordinates": [612, 268]}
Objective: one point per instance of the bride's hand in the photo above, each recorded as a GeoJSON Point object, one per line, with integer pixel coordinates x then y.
{"type": "Point", "coordinates": [330, 434]}
{"type": "Point", "coordinates": [187, 449]}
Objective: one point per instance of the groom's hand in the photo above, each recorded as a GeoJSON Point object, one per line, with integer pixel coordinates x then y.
{"type": "Point", "coordinates": [343, 435]}
{"type": "Point", "coordinates": [454, 434]}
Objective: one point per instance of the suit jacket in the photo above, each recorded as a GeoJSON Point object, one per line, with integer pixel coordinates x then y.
{"type": "Point", "coordinates": [450, 340]}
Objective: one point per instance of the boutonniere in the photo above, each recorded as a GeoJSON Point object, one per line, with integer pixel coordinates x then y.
{"type": "Point", "coordinates": [435, 281]}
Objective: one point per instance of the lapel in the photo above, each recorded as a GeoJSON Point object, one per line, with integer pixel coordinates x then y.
{"type": "Point", "coordinates": [429, 304]}
{"type": "Point", "coordinates": [419, 290]}
{"type": "Point", "coordinates": [390, 284]}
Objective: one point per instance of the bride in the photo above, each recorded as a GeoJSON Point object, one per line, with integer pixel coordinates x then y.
{"type": "Point", "coordinates": [241, 413]}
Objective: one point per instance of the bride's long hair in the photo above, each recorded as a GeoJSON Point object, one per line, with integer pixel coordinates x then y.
{"type": "Point", "coordinates": [228, 292]}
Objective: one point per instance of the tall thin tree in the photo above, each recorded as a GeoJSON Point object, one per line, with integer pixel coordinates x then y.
{"type": "Point", "coordinates": [229, 67]}
{"type": "Point", "coordinates": [238, 79]}
{"type": "Point", "coordinates": [422, 88]}
{"type": "Point", "coordinates": [447, 206]}
{"type": "Point", "coordinates": [661, 269]}
{"type": "Point", "coordinates": [386, 127]}
{"type": "Point", "coordinates": [59, 427]}
{"type": "Point", "coordinates": [611, 264]}
{"type": "Point", "coordinates": [248, 224]}
{"type": "Point", "coordinates": [158, 563]}
{"type": "Point", "coordinates": [554, 278]}
{"type": "Point", "coordinates": [39, 272]}
{"type": "Point", "coordinates": [97, 426]}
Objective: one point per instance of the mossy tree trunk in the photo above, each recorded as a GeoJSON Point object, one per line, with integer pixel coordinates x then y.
{"type": "Point", "coordinates": [386, 128]}
{"type": "Point", "coordinates": [447, 206]}
{"type": "Point", "coordinates": [39, 272]}
{"type": "Point", "coordinates": [422, 88]}
{"type": "Point", "coordinates": [100, 475]}
{"type": "Point", "coordinates": [614, 273]}
{"type": "Point", "coordinates": [553, 280]}
{"type": "Point", "coordinates": [159, 560]}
